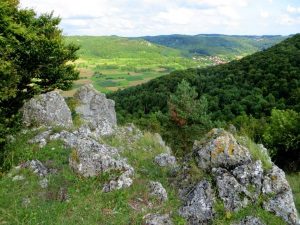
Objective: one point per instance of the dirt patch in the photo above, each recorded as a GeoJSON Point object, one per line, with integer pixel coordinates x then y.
{"type": "Point", "coordinates": [67, 94]}
{"type": "Point", "coordinates": [84, 81]}
{"type": "Point", "coordinates": [137, 82]}
{"type": "Point", "coordinates": [112, 88]}
{"type": "Point", "coordinates": [86, 72]}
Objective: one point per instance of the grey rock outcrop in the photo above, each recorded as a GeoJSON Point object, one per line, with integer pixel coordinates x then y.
{"type": "Point", "coordinates": [157, 219]}
{"type": "Point", "coordinates": [96, 110]}
{"type": "Point", "coordinates": [164, 159]}
{"type": "Point", "coordinates": [47, 109]}
{"type": "Point", "coordinates": [240, 182]}
{"type": "Point", "coordinates": [158, 191]}
{"type": "Point", "coordinates": [282, 203]}
{"type": "Point", "coordinates": [220, 149]}
{"type": "Point", "coordinates": [198, 207]}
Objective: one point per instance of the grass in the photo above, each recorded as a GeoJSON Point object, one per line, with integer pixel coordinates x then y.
{"type": "Point", "coordinates": [71, 199]}
{"type": "Point", "coordinates": [293, 180]}
{"type": "Point", "coordinates": [255, 152]}
{"type": "Point", "coordinates": [225, 217]}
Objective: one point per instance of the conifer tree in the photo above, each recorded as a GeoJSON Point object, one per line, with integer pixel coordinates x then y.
{"type": "Point", "coordinates": [188, 115]}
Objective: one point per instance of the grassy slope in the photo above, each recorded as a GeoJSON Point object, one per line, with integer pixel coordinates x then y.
{"type": "Point", "coordinates": [71, 199]}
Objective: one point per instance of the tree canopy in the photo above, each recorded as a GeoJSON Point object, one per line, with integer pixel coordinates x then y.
{"type": "Point", "coordinates": [34, 57]}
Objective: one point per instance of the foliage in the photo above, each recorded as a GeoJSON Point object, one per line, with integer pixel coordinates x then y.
{"type": "Point", "coordinates": [208, 45]}
{"type": "Point", "coordinates": [293, 180]}
{"type": "Point", "coordinates": [243, 91]}
{"type": "Point", "coordinates": [187, 116]}
{"type": "Point", "coordinates": [282, 137]}
{"type": "Point", "coordinates": [33, 57]}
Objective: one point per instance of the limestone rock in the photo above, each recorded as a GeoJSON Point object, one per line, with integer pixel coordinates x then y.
{"type": "Point", "coordinates": [198, 209]}
{"type": "Point", "coordinates": [220, 149]}
{"type": "Point", "coordinates": [165, 159]}
{"type": "Point", "coordinates": [282, 204]}
{"type": "Point", "coordinates": [96, 110]}
{"type": "Point", "coordinates": [44, 183]}
{"type": "Point", "coordinates": [38, 168]}
{"type": "Point", "coordinates": [47, 109]}
{"type": "Point", "coordinates": [158, 191]}
{"type": "Point", "coordinates": [89, 158]}
{"type": "Point", "coordinates": [240, 182]}
{"type": "Point", "coordinates": [157, 219]}
{"type": "Point", "coordinates": [230, 191]}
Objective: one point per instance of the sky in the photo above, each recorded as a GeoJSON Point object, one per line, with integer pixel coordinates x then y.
{"type": "Point", "coordinates": [135, 18]}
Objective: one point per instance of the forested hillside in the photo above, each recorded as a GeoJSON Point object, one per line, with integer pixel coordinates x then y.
{"type": "Point", "coordinates": [213, 44]}
{"type": "Point", "coordinates": [244, 92]}
{"type": "Point", "coordinates": [114, 47]}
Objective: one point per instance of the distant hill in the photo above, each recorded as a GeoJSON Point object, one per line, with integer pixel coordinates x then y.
{"type": "Point", "coordinates": [216, 44]}
{"type": "Point", "coordinates": [112, 47]}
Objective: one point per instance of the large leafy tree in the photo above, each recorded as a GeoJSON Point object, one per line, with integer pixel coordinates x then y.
{"type": "Point", "coordinates": [34, 57]}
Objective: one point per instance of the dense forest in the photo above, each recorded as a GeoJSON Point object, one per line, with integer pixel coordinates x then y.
{"type": "Point", "coordinates": [260, 94]}
{"type": "Point", "coordinates": [214, 44]}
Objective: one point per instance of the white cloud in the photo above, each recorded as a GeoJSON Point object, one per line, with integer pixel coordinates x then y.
{"type": "Point", "coordinates": [287, 20]}
{"type": "Point", "coordinates": [292, 9]}
{"type": "Point", "coordinates": [154, 17]}
{"type": "Point", "coordinates": [264, 14]}
{"type": "Point", "coordinates": [176, 16]}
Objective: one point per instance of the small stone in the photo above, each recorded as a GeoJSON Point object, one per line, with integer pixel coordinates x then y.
{"type": "Point", "coordinates": [158, 191]}
{"type": "Point", "coordinates": [165, 160]}
{"type": "Point", "coordinates": [157, 219]}
{"type": "Point", "coordinates": [44, 183]}
{"type": "Point", "coordinates": [25, 201]}
{"type": "Point", "coordinates": [18, 177]}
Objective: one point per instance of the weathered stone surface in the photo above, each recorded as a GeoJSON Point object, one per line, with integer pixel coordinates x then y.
{"type": "Point", "coordinates": [240, 181]}
{"type": "Point", "coordinates": [198, 209]}
{"type": "Point", "coordinates": [120, 182]}
{"type": "Point", "coordinates": [41, 139]}
{"type": "Point", "coordinates": [157, 219]}
{"type": "Point", "coordinates": [89, 158]}
{"type": "Point", "coordinates": [165, 159]}
{"type": "Point", "coordinates": [230, 191]}
{"type": "Point", "coordinates": [47, 109]}
{"type": "Point", "coordinates": [38, 168]}
{"type": "Point", "coordinates": [158, 191]}
{"type": "Point", "coordinates": [96, 110]}
{"type": "Point", "coordinates": [250, 176]}
{"type": "Point", "coordinates": [282, 204]}
{"type": "Point", "coordinates": [44, 183]}
{"type": "Point", "coordinates": [220, 149]}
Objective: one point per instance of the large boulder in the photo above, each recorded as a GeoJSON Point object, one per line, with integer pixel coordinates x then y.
{"type": "Point", "coordinates": [96, 110]}
{"type": "Point", "coordinates": [47, 109]}
{"type": "Point", "coordinates": [220, 149]}
{"type": "Point", "coordinates": [240, 181]}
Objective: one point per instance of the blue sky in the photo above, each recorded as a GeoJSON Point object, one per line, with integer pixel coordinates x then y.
{"type": "Point", "coordinates": [133, 18]}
